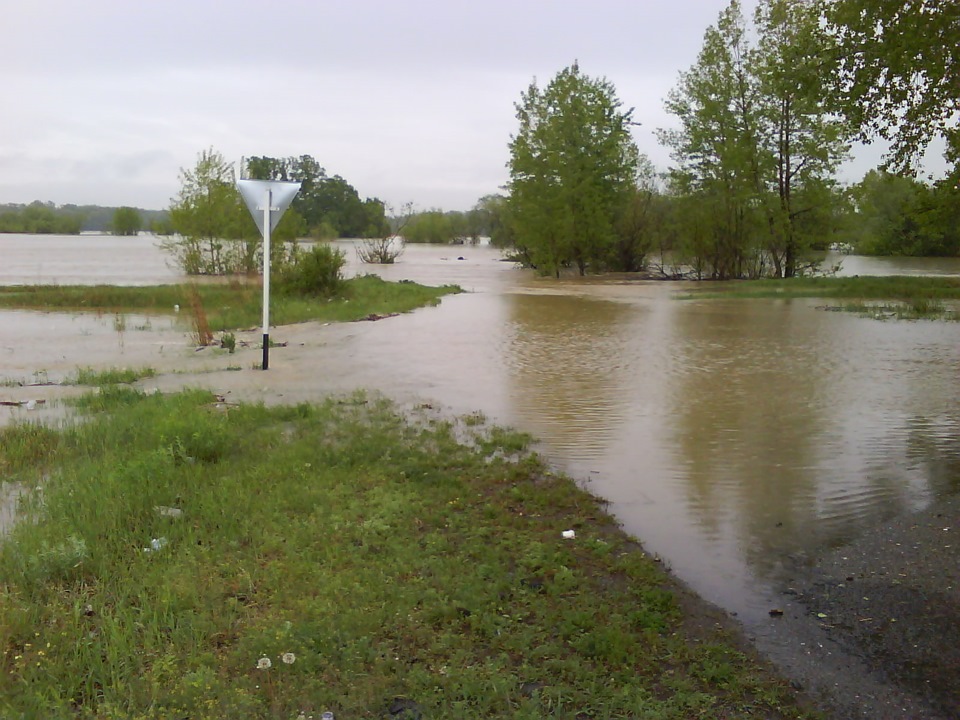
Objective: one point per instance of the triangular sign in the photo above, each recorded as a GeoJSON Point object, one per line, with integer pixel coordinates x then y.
{"type": "Point", "coordinates": [255, 194]}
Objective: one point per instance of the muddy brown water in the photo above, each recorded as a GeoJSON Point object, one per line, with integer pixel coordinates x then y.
{"type": "Point", "coordinates": [736, 439]}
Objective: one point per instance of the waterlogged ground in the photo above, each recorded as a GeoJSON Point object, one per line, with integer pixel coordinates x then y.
{"type": "Point", "coordinates": [739, 440]}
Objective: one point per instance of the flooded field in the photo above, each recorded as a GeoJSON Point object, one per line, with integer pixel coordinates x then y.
{"type": "Point", "coordinates": [736, 439]}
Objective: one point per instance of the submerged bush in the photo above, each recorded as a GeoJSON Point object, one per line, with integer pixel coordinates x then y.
{"type": "Point", "coordinates": [317, 272]}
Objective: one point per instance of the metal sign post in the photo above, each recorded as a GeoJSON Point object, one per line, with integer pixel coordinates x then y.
{"type": "Point", "coordinates": [266, 216]}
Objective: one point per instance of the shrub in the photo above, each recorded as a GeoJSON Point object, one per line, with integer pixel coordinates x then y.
{"type": "Point", "coordinates": [317, 272]}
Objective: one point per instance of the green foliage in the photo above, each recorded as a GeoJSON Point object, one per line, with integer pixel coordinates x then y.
{"type": "Point", "coordinates": [366, 556]}
{"type": "Point", "coordinates": [897, 215]}
{"type": "Point", "coordinates": [494, 214]}
{"type": "Point", "coordinates": [217, 235]}
{"type": "Point", "coordinates": [330, 206]}
{"type": "Point", "coordinates": [572, 170]}
{"type": "Point", "coordinates": [899, 70]}
{"type": "Point", "coordinates": [111, 376]}
{"type": "Point", "coordinates": [317, 272]}
{"type": "Point", "coordinates": [909, 289]}
{"type": "Point", "coordinates": [126, 221]}
{"type": "Point", "coordinates": [434, 226]}
{"type": "Point", "coordinates": [233, 305]}
{"type": "Point", "coordinates": [756, 147]}
{"type": "Point", "coordinates": [39, 218]}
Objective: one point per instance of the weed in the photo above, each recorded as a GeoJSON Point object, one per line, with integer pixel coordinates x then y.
{"type": "Point", "coordinates": [201, 328]}
{"type": "Point", "coordinates": [228, 341]}
{"type": "Point", "coordinates": [110, 376]}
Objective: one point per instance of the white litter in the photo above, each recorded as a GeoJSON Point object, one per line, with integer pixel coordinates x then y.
{"type": "Point", "coordinates": [568, 534]}
{"type": "Point", "coordinates": [156, 544]}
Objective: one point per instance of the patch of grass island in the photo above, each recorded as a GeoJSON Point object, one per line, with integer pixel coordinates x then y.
{"type": "Point", "coordinates": [232, 304]}
{"type": "Point", "coordinates": [182, 558]}
{"type": "Point", "coordinates": [900, 296]}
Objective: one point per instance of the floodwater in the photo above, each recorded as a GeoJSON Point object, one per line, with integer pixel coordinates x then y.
{"type": "Point", "coordinates": [737, 439]}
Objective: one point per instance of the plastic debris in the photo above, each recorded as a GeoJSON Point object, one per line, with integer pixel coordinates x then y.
{"type": "Point", "coordinates": [170, 512]}
{"type": "Point", "coordinates": [568, 534]}
{"type": "Point", "coordinates": [156, 544]}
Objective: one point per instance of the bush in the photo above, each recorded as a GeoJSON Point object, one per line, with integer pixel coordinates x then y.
{"type": "Point", "coordinates": [317, 272]}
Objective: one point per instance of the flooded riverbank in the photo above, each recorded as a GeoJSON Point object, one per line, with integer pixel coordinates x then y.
{"type": "Point", "coordinates": [737, 439]}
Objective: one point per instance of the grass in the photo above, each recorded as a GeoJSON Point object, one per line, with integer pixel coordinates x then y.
{"type": "Point", "coordinates": [233, 305]}
{"type": "Point", "coordinates": [404, 570]}
{"type": "Point", "coordinates": [907, 297]}
{"type": "Point", "coordinates": [110, 376]}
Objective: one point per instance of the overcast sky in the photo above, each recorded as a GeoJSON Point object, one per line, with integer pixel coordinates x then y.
{"type": "Point", "coordinates": [105, 100]}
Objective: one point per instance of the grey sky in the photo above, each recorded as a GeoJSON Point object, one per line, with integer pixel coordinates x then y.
{"type": "Point", "coordinates": [412, 101]}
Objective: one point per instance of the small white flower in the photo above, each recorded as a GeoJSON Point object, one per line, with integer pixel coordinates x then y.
{"type": "Point", "coordinates": [264, 663]}
{"type": "Point", "coordinates": [288, 658]}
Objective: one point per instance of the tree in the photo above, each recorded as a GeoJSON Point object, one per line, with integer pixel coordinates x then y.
{"type": "Point", "coordinates": [898, 215]}
{"type": "Point", "coordinates": [572, 166]}
{"type": "Point", "coordinates": [716, 150]}
{"type": "Point", "coordinates": [493, 212]}
{"type": "Point", "coordinates": [899, 70]}
{"type": "Point", "coordinates": [330, 206]}
{"type": "Point", "coordinates": [206, 214]}
{"type": "Point", "coordinates": [756, 141]}
{"type": "Point", "coordinates": [433, 226]}
{"type": "Point", "coordinates": [805, 141]}
{"type": "Point", "coordinates": [126, 221]}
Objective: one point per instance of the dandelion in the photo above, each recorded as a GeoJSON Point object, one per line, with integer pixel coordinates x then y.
{"type": "Point", "coordinates": [264, 663]}
{"type": "Point", "coordinates": [288, 658]}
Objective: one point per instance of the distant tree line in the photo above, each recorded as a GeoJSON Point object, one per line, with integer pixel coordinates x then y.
{"type": "Point", "coordinates": [41, 218]}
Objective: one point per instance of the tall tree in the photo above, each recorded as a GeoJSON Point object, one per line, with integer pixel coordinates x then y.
{"type": "Point", "coordinates": [716, 148]}
{"type": "Point", "coordinates": [805, 141]}
{"type": "Point", "coordinates": [572, 166]}
{"type": "Point", "coordinates": [899, 67]}
{"type": "Point", "coordinates": [756, 140]}
{"type": "Point", "coordinates": [126, 221]}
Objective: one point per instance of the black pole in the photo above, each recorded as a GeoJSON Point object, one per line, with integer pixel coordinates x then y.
{"type": "Point", "coordinates": [266, 351]}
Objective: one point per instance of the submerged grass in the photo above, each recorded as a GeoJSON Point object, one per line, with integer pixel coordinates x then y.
{"type": "Point", "coordinates": [909, 297]}
{"type": "Point", "coordinates": [899, 287]}
{"type": "Point", "coordinates": [109, 376]}
{"type": "Point", "coordinates": [188, 561]}
{"type": "Point", "coordinates": [231, 305]}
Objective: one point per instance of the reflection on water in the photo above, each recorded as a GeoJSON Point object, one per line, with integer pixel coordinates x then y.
{"type": "Point", "coordinates": [735, 438]}
{"type": "Point", "coordinates": [567, 367]}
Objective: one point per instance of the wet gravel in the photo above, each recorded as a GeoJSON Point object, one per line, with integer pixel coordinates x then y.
{"type": "Point", "coordinates": [872, 629]}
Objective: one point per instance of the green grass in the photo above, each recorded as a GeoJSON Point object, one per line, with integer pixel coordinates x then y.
{"type": "Point", "coordinates": [400, 566]}
{"type": "Point", "coordinates": [905, 297]}
{"type": "Point", "coordinates": [109, 376]}
{"type": "Point", "coordinates": [230, 306]}
{"type": "Point", "coordinates": [901, 288]}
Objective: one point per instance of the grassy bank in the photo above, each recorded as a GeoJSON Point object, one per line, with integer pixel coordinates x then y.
{"type": "Point", "coordinates": [185, 559]}
{"type": "Point", "coordinates": [230, 305]}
